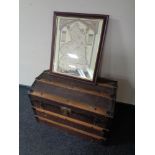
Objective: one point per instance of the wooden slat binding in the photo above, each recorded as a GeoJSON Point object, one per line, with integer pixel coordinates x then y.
{"type": "Point", "coordinates": [99, 81]}
{"type": "Point", "coordinates": [71, 103]}
{"type": "Point", "coordinates": [75, 113]}
{"type": "Point", "coordinates": [72, 129]}
{"type": "Point", "coordinates": [105, 85]}
{"type": "Point", "coordinates": [72, 120]}
{"type": "Point", "coordinates": [101, 94]}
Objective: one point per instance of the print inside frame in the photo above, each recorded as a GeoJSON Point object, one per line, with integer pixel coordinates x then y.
{"type": "Point", "coordinates": [77, 44]}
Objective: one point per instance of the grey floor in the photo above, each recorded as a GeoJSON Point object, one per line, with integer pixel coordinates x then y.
{"type": "Point", "coordinates": [40, 139]}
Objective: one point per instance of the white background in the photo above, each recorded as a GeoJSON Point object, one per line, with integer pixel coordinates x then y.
{"type": "Point", "coordinates": [145, 75]}
{"type": "Point", "coordinates": [36, 17]}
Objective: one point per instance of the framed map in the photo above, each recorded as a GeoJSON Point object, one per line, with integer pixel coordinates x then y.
{"type": "Point", "coordinates": [77, 44]}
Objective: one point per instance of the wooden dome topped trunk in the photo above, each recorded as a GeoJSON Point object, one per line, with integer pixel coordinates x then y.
{"type": "Point", "coordinates": [79, 107]}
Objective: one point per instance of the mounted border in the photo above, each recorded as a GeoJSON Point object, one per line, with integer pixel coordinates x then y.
{"type": "Point", "coordinates": [105, 18]}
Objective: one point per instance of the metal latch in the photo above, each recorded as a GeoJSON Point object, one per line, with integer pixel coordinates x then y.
{"type": "Point", "coordinates": [65, 111]}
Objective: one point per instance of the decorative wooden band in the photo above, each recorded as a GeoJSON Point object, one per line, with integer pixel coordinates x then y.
{"type": "Point", "coordinates": [101, 94]}
{"type": "Point", "coordinates": [89, 135]}
{"type": "Point", "coordinates": [71, 103]}
{"type": "Point", "coordinates": [88, 125]}
{"type": "Point", "coordinates": [99, 83]}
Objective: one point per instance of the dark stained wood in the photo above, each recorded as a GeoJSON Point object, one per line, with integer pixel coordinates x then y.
{"type": "Point", "coordinates": [75, 114]}
{"type": "Point", "coordinates": [101, 94]}
{"type": "Point", "coordinates": [70, 103]}
{"type": "Point", "coordinates": [71, 119]}
{"type": "Point", "coordinates": [93, 98]}
{"type": "Point", "coordinates": [71, 122]}
{"type": "Point", "coordinates": [89, 108]}
{"type": "Point", "coordinates": [102, 85]}
{"type": "Point", "coordinates": [72, 129]}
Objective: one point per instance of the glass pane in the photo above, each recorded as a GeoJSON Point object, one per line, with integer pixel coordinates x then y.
{"type": "Point", "coordinates": [76, 46]}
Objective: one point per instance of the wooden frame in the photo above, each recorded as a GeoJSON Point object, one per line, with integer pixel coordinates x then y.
{"type": "Point", "coordinates": [103, 19]}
